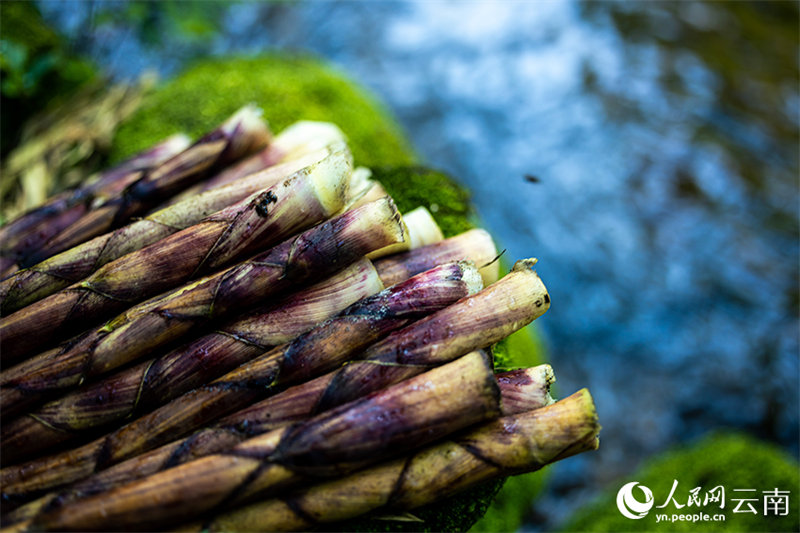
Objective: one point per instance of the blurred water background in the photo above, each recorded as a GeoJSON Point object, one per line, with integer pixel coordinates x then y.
{"type": "Point", "coordinates": [646, 153]}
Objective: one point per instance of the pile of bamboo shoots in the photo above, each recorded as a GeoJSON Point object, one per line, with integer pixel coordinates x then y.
{"type": "Point", "coordinates": [243, 333]}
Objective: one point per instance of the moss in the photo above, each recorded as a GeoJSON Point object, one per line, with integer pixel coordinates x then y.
{"type": "Point", "coordinates": [293, 88]}
{"type": "Point", "coordinates": [287, 88]}
{"type": "Point", "coordinates": [412, 187]}
{"type": "Point", "coordinates": [520, 349]}
{"type": "Point", "coordinates": [734, 461]}
{"type": "Point", "coordinates": [511, 504]}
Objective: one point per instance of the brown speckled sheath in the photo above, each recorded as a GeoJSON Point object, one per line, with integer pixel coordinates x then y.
{"type": "Point", "coordinates": [240, 135]}
{"type": "Point", "coordinates": [139, 389]}
{"type": "Point", "coordinates": [325, 346]}
{"type": "Point", "coordinates": [521, 390]}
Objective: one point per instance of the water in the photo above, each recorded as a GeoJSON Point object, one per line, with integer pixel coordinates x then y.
{"type": "Point", "coordinates": [646, 153]}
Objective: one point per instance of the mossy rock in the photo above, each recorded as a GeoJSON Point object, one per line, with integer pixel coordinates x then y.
{"type": "Point", "coordinates": [734, 461]}
{"type": "Point", "coordinates": [291, 88]}
{"type": "Point", "coordinates": [511, 505]}
{"type": "Point", "coordinates": [287, 88]}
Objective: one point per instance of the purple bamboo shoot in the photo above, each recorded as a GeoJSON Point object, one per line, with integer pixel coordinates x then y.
{"type": "Point", "coordinates": [240, 135]}
{"type": "Point", "coordinates": [33, 229]}
{"type": "Point", "coordinates": [314, 254]}
{"type": "Point", "coordinates": [474, 245]}
{"type": "Point", "coordinates": [325, 346]}
{"type": "Point", "coordinates": [254, 223]}
{"type": "Point", "coordinates": [71, 266]}
{"type": "Point", "coordinates": [521, 390]}
{"type": "Point", "coordinates": [384, 424]}
{"type": "Point", "coordinates": [142, 388]}
{"type": "Point", "coordinates": [508, 446]}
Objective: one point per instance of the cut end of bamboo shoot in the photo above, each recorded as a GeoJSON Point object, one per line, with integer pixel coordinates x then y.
{"type": "Point", "coordinates": [306, 136]}
{"type": "Point", "coordinates": [471, 277]}
{"type": "Point", "coordinates": [422, 230]}
{"type": "Point", "coordinates": [425, 229]}
{"type": "Point", "coordinates": [330, 179]}
{"type": "Point", "coordinates": [536, 293]}
{"type": "Point", "coordinates": [247, 119]}
{"type": "Point", "coordinates": [382, 214]}
{"type": "Point", "coordinates": [571, 426]}
{"type": "Point", "coordinates": [363, 189]}
{"type": "Point", "coordinates": [361, 185]}
{"type": "Point", "coordinates": [174, 144]}
{"type": "Point", "coordinates": [526, 389]}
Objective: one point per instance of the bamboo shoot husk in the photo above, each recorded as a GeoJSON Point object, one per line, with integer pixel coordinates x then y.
{"type": "Point", "coordinates": [521, 390]}
{"type": "Point", "coordinates": [312, 255]}
{"type": "Point", "coordinates": [508, 446]}
{"type": "Point", "coordinates": [325, 346]}
{"type": "Point", "coordinates": [475, 245]}
{"type": "Point", "coordinates": [254, 223]}
{"type": "Point", "coordinates": [422, 230]}
{"type": "Point", "coordinates": [301, 138]}
{"type": "Point", "coordinates": [138, 390]}
{"type": "Point", "coordinates": [71, 266]}
{"type": "Point", "coordinates": [409, 414]}
{"type": "Point", "coordinates": [33, 228]}
{"type": "Point", "coordinates": [240, 135]}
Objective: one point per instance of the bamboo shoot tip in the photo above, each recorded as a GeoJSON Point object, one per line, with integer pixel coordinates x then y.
{"type": "Point", "coordinates": [248, 118]}
{"type": "Point", "coordinates": [524, 264]}
{"type": "Point", "coordinates": [331, 178]}
{"type": "Point", "coordinates": [584, 399]}
{"type": "Point", "coordinates": [549, 375]}
{"type": "Point", "coordinates": [472, 278]}
{"type": "Point", "coordinates": [178, 141]}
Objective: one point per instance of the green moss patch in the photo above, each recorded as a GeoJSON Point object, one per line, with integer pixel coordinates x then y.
{"type": "Point", "coordinates": [416, 186]}
{"type": "Point", "coordinates": [287, 88]}
{"type": "Point", "coordinates": [733, 461]}
{"type": "Point", "coordinates": [512, 504]}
